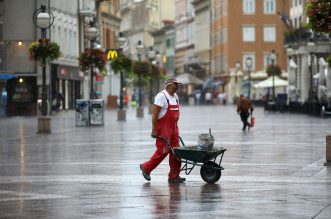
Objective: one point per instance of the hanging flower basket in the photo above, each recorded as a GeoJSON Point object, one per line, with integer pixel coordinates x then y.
{"type": "Point", "coordinates": [274, 69]}
{"type": "Point", "coordinates": [44, 51]}
{"type": "Point", "coordinates": [155, 70]}
{"type": "Point", "coordinates": [163, 73]}
{"type": "Point", "coordinates": [142, 68]}
{"type": "Point", "coordinates": [121, 63]}
{"type": "Point", "coordinates": [319, 14]}
{"type": "Point", "coordinates": [93, 57]}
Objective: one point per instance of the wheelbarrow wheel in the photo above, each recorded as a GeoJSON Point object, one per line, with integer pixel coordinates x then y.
{"type": "Point", "coordinates": [208, 174]}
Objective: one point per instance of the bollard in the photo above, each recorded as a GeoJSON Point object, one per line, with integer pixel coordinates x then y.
{"type": "Point", "coordinates": [328, 151]}
{"type": "Point", "coordinates": [44, 125]}
{"type": "Point", "coordinates": [121, 115]}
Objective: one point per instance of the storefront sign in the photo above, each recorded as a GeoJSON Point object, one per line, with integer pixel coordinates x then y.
{"type": "Point", "coordinates": [68, 73]}
{"type": "Point", "coordinates": [112, 54]}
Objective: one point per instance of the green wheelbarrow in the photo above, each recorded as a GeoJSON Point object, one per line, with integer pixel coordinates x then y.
{"type": "Point", "coordinates": [192, 156]}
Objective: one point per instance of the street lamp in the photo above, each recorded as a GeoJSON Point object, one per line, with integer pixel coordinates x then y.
{"type": "Point", "coordinates": [140, 48]}
{"type": "Point", "coordinates": [249, 63]}
{"type": "Point", "coordinates": [238, 65]}
{"type": "Point", "coordinates": [158, 58]}
{"type": "Point", "coordinates": [311, 48]}
{"type": "Point", "coordinates": [43, 19]}
{"type": "Point", "coordinates": [122, 43]}
{"type": "Point", "coordinates": [272, 59]}
{"type": "Point", "coordinates": [151, 56]}
{"type": "Point", "coordinates": [91, 33]}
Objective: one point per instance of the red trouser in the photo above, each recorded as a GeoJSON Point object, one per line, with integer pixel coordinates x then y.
{"type": "Point", "coordinates": [166, 127]}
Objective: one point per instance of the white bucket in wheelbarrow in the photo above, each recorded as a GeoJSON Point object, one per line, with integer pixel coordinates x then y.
{"type": "Point", "coordinates": [206, 141]}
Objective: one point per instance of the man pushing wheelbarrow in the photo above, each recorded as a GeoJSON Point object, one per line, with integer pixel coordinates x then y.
{"type": "Point", "coordinates": [165, 117]}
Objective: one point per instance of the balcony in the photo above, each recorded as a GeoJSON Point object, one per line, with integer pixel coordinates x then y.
{"type": "Point", "coordinates": [304, 35]}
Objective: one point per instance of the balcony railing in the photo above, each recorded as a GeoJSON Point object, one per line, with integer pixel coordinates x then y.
{"type": "Point", "coordinates": [304, 35]}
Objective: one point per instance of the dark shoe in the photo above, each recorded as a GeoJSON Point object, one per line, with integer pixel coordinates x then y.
{"type": "Point", "coordinates": [145, 174]}
{"type": "Point", "coordinates": [177, 180]}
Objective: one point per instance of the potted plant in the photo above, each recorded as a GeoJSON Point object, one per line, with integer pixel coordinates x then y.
{"type": "Point", "coordinates": [93, 57]}
{"type": "Point", "coordinates": [318, 12]}
{"type": "Point", "coordinates": [44, 51]}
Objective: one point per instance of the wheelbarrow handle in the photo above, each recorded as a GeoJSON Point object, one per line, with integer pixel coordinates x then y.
{"type": "Point", "coordinates": [169, 146]}
{"type": "Point", "coordinates": [181, 140]}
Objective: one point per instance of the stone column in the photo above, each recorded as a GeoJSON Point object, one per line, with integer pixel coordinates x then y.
{"type": "Point", "coordinates": [328, 84]}
{"type": "Point", "coordinates": [240, 76]}
{"type": "Point", "coordinates": [231, 87]}
{"type": "Point", "coordinates": [305, 78]}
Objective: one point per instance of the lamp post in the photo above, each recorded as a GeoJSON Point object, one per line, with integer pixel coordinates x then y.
{"type": "Point", "coordinates": [43, 19]}
{"type": "Point", "coordinates": [122, 43]}
{"type": "Point", "coordinates": [237, 83]}
{"type": "Point", "coordinates": [140, 48]}
{"type": "Point", "coordinates": [272, 59]}
{"type": "Point", "coordinates": [151, 56]}
{"type": "Point", "coordinates": [158, 59]}
{"type": "Point", "coordinates": [249, 63]}
{"type": "Point", "coordinates": [91, 33]}
{"type": "Point", "coordinates": [311, 48]}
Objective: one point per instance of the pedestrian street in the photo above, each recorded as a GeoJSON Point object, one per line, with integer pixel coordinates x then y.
{"type": "Point", "coordinates": [275, 170]}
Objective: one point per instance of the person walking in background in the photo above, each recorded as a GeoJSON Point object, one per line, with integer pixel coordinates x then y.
{"type": "Point", "coordinates": [208, 97]}
{"type": "Point", "coordinates": [197, 97]}
{"type": "Point", "coordinates": [222, 98]}
{"type": "Point", "coordinates": [164, 123]}
{"type": "Point", "coordinates": [244, 109]}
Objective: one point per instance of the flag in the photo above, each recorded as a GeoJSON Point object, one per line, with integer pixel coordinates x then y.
{"type": "Point", "coordinates": [286, 20]}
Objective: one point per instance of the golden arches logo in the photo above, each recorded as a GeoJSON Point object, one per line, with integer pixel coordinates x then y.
{"type": "Point", "coordinates": [112, 54]}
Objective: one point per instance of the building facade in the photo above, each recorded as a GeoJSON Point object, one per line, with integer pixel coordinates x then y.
{"type": "Point", "coordinates": [185, 30]}
{"type": "Point", "coordinates": [200, 64]}
{"type": "Point", "coordinates": [17, 33]}
{"type": "Point", "coordinates": [66, 77]}
{"type": "Point", "coordinates": [247, 28]}
{"type": "Point", "coordinates": [307, 52]}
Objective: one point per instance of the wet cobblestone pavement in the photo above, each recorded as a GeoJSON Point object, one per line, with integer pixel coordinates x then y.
{"type": "Point", "coordinates": [273, 171]}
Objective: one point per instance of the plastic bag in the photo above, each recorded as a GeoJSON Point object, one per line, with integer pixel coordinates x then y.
{"type": "Point", "coordinates": [252, 121]}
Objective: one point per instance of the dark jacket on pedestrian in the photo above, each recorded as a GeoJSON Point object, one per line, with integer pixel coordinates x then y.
{"type": "Point", "coordinates": [244, 105]}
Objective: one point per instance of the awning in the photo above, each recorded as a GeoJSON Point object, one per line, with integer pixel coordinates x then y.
{"type": "Point", "coordinates": [7, 76]}
{"type": "Point", "coordinates": [269, 82]}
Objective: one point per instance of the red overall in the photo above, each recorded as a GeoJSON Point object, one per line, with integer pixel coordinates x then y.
{"type": "Point", "coordinates": [167, 127]}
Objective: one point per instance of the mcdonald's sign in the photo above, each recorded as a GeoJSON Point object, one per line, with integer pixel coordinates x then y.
{"type": "Point", "coordinates": [112, 54]}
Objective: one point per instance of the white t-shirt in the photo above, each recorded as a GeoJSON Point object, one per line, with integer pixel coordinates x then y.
{"type": "Point", "coordinates": [161, 101]}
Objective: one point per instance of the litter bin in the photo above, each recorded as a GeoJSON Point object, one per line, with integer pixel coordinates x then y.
{"type": "Point", "coordinates": [82, 112]}
{"type": "Point", "coordinates": [97, 112]}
